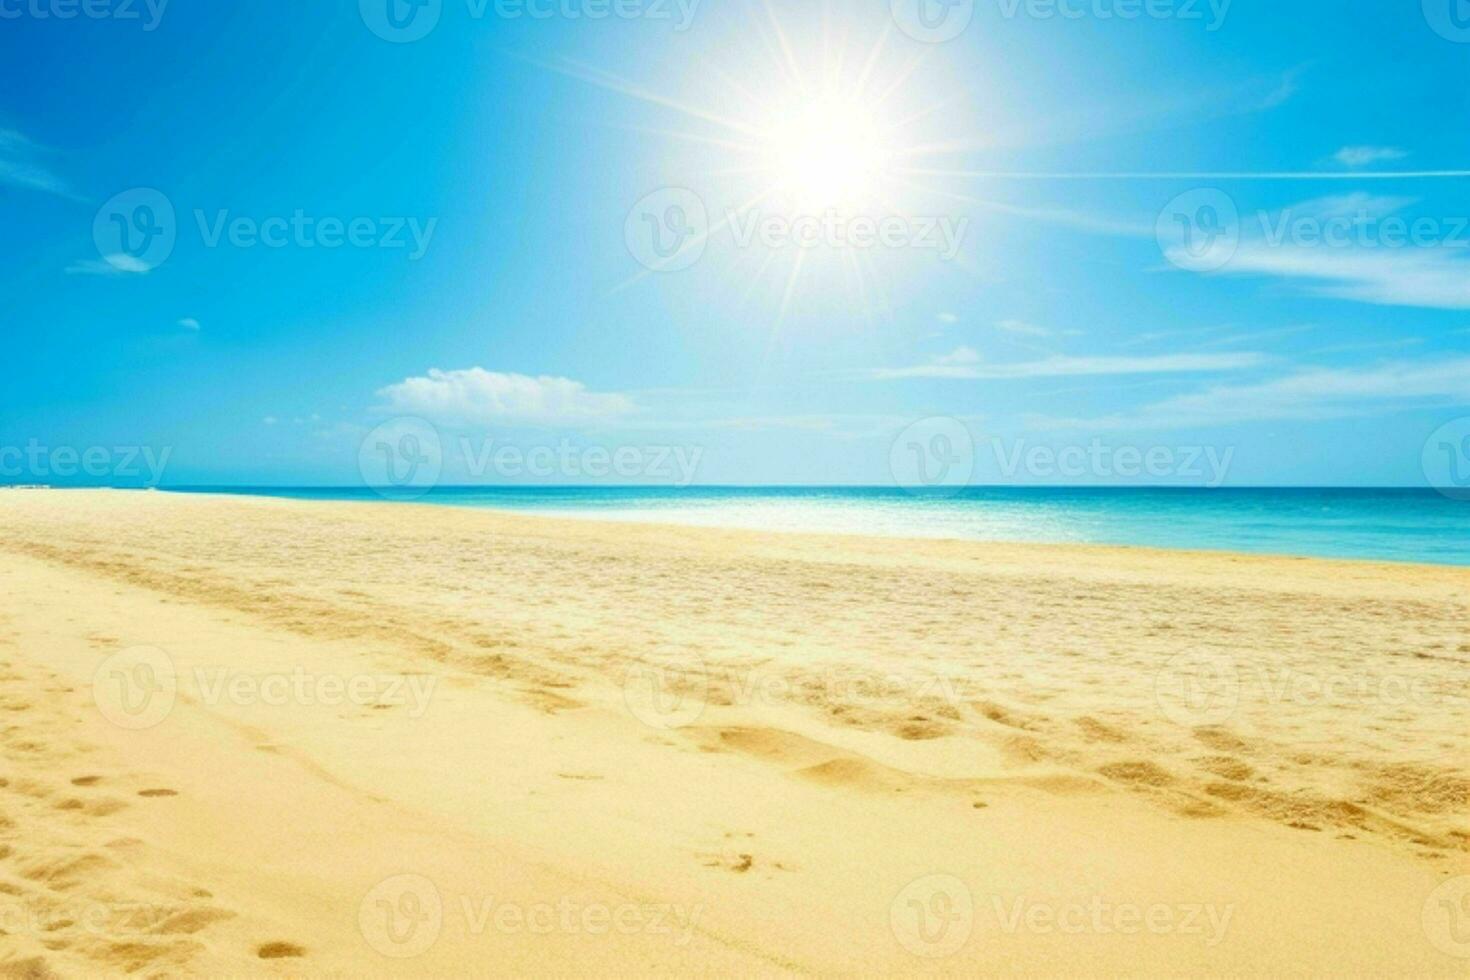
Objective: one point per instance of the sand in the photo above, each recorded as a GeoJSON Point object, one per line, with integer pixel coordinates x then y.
{"type": "Point", "coordinates": [262, 737]}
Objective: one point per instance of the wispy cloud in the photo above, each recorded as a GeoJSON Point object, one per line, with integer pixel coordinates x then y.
{"type": "Point", "coordinates": [1255, 336]}
{"type": "Point", "coordinates": [1275, 93]}
{"type": "Point", "coordinates": [947, 367]}
{"type": "Point", "coordinates": [1028, 329]}
{"type": "Point", "coordinates": [960, 355]}
{"type": "Point", "coordinates": [1343, 247]}
{"type": "Point", "coordinates": [1309, 394]}
{"type": "Point", "coordinates": [1427, 278]}
{"type": "Point", "coordinates": [1363, 156]}
{"type": "Point", "coordinates": [189, 323]}
{"type": "Point", "coordinates": [838, 425]}
{"type": "Point", "coordinates": [474, 396]}
{"type": "Point", "coordinates": [20, 166]}
{"type": "Point", "coordinates": [1353, 348]}
{"type": "Point", "coordinates": [1022, 327]}
{"type": "Point", "coordinates": [110, 267]}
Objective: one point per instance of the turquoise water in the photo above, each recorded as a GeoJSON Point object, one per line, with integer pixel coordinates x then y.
{"type": "Point", "coordinates": [1391, 525]}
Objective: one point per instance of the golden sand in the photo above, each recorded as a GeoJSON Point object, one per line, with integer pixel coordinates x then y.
{"type": "Point", "coordinates": [246, 736]}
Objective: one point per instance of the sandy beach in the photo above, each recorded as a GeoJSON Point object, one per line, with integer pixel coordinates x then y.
{"type": "Point", "coordinates": [245, 736]}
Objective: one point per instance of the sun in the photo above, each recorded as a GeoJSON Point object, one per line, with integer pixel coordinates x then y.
{"type": "Point", "coordinates": [828, 153]}
{"type": "Point", "coordinates": [797, 148]}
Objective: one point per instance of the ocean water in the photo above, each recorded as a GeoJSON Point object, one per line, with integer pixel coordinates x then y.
{"type": "Point", "coordinates": [1381, 524]}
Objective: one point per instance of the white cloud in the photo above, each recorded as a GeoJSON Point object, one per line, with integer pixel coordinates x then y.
{"type": "Point", "coordinates": [1033, 330]}
{"type": "Point", "coordinates": [949, 318]}
{"type": "Point", "coordinates": [474, 396]}
{"type": "Point", "coordinates": [1282, 91]}
{"type": "Point", "coordinates": [1362, 156]}
{"type": "Point", "coordinates": [1355, 254]}
{"type": "Point", "coordinates": [189, 323]}
{"type": "Point", "coordinates": [111, 267]}
{"type": "Point", "coordinates": [1061, 367]}
{"type": "Point", "coordinates": [19, 168]}
{"type": "Point", "coordinates": [1415, 277]}
{"type": "Point", "coordinates": [960, 355]}
{"type": "Point", "coordinates": [1022, 327]}
{"type": "Point", "coordinates": [1310, 394]}
{"type": "Point", "coordinates": [1358, 206]}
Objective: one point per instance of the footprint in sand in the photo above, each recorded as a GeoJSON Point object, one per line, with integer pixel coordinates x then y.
{"type": "Point", "coordinates": [157, 792]}
{"type": "Point", "coordinates": [279, 951]}
{"type": "Point", "coordinates": [737, 863]}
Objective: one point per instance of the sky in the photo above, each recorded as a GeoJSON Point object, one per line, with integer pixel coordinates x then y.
{"type": "Point", "coordinates": [735, 242]}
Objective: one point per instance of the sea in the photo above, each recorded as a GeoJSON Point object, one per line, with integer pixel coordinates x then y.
{"type": "Point", "coordinates": [1402, 525]}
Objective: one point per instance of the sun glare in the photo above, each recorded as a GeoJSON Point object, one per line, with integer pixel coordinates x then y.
{"type": "Point", "coordinates": [828, 153]}
{"type": "Point", "coordinates": [807, 121]}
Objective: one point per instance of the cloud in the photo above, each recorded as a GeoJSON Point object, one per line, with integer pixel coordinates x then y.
{"type": "Point", "coordinates": [1278, 93]}
{"type": "Point", "coordinates": [1062, 367]}
{"type": "Point", "coordinates": [1362, 156]}
{"type": "Point", "coordinates": [189, 323]}
{"type": "Point", "coordinates": [1356, 247]}
{"type": "Point", "coordinates": [847, 426]}
{"type": "Point", "coordinates": [20, 168]}
{"type": "Point", "coordinates": [1022, 327]}
{"type": "Point", "coordinates": [948, 318]}
{"type": "Point", "coordinates": [1415, 277]}
{"type": "Point", "coordinates": [110, 267]}
{"type": "Point", "coordinates": [474, 396]}
{"type": "Point", "coordinates": [960, 355]}
{"type": "Point", "coordinates": [1357, 206]}
{"type": "Point", "coordinates": [1033, 330]}
{"type": "Point", "coordinates": [1309, 394]}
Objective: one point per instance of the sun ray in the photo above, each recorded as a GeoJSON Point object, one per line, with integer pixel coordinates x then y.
{"type": "Point", "coordinates": [850, 259]}
{"type": "Point", "coordinates": [622, 86]}
{"type": "Point", "coordinates": [760, 274]}
{"type": "Point", "coordinates": [742, 93]}
{"type": "Point", "coordinates": [1197, 175]}
{"type": "Point", "coordinates": [681, 136]}
{"type": "Point", "coordinates": [790, 288]}
{"type": "Point", "coordinates": [903, 76]}
{"type": "Point", "coordinates": [933, 107]}
{"type": "Point", "coordinates": [785, 44]}
{"type": "Point", "coordinates": [701, 239]}
{"type": "Point", "coordinates": [775, 332]}
{"type": "Point", "coordinates": [874, 55]}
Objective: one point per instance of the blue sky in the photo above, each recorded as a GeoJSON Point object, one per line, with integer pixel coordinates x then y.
{"type": "Point", "coordinates": [1242, 227]}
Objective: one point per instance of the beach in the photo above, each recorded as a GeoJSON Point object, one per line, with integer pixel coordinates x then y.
{"type": "Point", "coordinates": [248, 736]}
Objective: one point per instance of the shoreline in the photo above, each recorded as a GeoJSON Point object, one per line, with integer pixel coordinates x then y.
{"type": "Point", "coordinates": [584, 518]}
{"type": "Point", "coordinates": [789, 750]}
